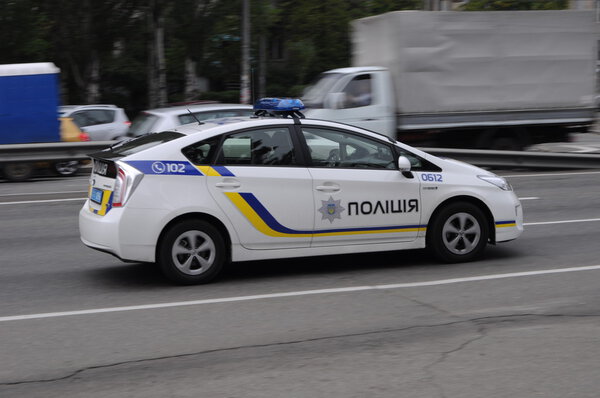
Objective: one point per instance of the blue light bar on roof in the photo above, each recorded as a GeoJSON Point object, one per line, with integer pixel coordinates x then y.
{"type": "Point", "coordinates": [279, 104]}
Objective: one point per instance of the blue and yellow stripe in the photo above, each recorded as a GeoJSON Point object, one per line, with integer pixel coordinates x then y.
{"type": "Point", "coordinates": [505, 224]}
{"type": "Point", "coordinates": [263, 221]}
{"type": "Point", "coordinates": [215, 171]}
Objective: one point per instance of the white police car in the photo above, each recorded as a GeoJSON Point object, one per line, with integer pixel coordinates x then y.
{"type": "Point", "coordinates": [252, 188]}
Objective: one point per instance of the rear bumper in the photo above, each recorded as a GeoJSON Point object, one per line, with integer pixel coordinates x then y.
{"type": "Point", "coordinates": [126, 235]}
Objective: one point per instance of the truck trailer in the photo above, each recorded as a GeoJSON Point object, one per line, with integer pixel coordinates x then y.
{"type": "Point", "coordinates": [499, 80]}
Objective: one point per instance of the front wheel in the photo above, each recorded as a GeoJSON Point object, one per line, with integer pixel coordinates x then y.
{"type": "Point", "coordinates": [191, 252]}
{"type": "Point", "coordinates": [459, 232]}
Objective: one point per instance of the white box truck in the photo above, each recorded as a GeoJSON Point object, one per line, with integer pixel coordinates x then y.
{"type": "Point", "coordinates": [496, 79]}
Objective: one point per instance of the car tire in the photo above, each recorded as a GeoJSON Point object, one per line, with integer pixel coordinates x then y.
{"type": "Point", "coordinates": [458, 233]}
{"type": "Point", "coordinates": [67, 168]}
{"type": "Point", "coordinates": [191, 252]}
{"type": "Point", "coordinates": [18, 171]}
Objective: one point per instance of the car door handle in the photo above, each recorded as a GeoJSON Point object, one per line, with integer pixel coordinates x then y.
{"type": "Point", "coordinates": [328, 188]}
{"type": "Point", "coordinates": [230, 184]}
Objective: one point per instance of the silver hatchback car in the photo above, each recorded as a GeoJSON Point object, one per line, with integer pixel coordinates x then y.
{"type": "Point", "coordinates": [161, 119]}
{"type": "Point", "coordinates": [100, 122]}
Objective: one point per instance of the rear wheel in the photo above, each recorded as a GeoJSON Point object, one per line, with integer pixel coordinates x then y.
{"type": "Point", "coordinates": [191, 252]}
{"type": "Point", "coordinates": [18, 171]}
{"type": "Point", "coordinates": [459, 232]}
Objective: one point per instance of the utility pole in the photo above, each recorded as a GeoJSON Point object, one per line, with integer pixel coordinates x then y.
{"type": "Point", "coordinates": [245, 77]}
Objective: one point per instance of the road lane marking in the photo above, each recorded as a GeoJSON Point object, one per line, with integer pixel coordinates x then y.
{"type": "Point", "coordinates": [298, 293]}
{"type": "Point", "coordinates": [40, 193]}
{"type": "Point", "coordinates": [40, 201]}
{"type": "Point", "coordinates": [561, 222]}
{"type": "Point", "coordinates": [530, 198]}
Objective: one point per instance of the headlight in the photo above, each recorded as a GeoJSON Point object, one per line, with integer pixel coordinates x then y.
{"type": "Point", "coordinates": [497, 181]}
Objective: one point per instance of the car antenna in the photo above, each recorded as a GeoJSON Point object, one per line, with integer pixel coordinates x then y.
{"type": "Point", "coordinates": [194, 116]}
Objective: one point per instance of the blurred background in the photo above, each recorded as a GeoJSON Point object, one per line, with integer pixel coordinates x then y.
{"type": "Point", "coordinates": [141, 54]}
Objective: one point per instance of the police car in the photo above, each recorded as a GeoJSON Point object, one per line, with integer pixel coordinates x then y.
{"type": "Point", "coordinates": [248, 188]}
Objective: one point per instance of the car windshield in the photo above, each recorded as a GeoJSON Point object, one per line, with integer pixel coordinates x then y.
{"type": "Point", "coordinates": [142, 124]}
{"type": "Point", "coordinates": [135, 145]}
{"type": "Point", "coordinates": [314, 95]}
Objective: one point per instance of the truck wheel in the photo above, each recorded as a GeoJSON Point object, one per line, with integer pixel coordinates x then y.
{"type": "Point", "coordinates": [18, 171]}
{"type": "Point", "coordinates": [66, 169]}
{"type": "Point", "coordinates": [191, 252]}
{"type": "Point", "coordinates": [458, 233]}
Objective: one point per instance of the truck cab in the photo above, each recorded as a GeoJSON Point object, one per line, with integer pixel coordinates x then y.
{"type": "Point", "coordinates": [360, 96]}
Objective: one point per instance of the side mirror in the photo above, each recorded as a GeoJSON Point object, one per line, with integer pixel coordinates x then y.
{"type": "Point", "coordinates": [404, 164]}
{"type": "Point", "coordinates": [334, 100]}
{"type": "Point", "coordinates": [404, 167]}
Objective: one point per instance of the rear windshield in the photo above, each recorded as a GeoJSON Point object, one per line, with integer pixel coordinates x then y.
{"type": "Point", "coordinates": [142, 124]}
{"type": "Point", "coordinates": [126, 148]}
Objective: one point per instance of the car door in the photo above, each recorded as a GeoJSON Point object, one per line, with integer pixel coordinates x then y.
{"type": "Point", "coordinates": [257, 181]}
{"type": "Point", "coordinates": [360, 197]}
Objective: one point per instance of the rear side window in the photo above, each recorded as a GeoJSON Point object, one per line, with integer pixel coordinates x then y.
{"type": "Point", "coordinates": [261, 147]}
{"type": "Point", "coordinates": [202, 152]}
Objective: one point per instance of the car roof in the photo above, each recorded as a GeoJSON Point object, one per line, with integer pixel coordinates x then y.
{"type": "Point", "coordinates": [66, 108]}
{"type": "Point", "coordinates": [196, 108]}
{"type": "Point", "coordinates": [212, 125]}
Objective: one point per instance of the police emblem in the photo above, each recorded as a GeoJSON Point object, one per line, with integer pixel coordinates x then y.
{"type": "Point", "coordinates": [331, 209]}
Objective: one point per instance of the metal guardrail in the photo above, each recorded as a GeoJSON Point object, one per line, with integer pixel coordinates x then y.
{"type": "Point", "coordinates": [13, 153]}
{"type": "Point", "coordinates": [516, 159]}
{"type": "Point", "coordinates": [52, 151]}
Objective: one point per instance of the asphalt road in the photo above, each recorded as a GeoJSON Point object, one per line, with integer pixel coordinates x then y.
{"type": "Point", "coordinates": [522, 322]}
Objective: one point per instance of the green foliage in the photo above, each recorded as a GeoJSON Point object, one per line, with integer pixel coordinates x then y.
{"type": "Point", "coordinates": [304, 38]}
{"type": "Point", "coordinates": [229, 96]}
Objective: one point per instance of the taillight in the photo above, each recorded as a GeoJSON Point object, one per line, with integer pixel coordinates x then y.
{"type": "Point", "coordinates": [127, 180]}
{"type": "Point", "coordinates": [84, 136]}
{"type": "Point", "coordinates": [120, 189]}
{"type": "Point", "coordinates": [128, 123]}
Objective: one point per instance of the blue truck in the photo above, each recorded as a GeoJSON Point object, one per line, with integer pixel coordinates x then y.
{"type": "Point", "coordinates": [29, 101]}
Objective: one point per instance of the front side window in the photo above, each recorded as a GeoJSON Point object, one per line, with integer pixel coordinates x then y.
{"type": "Point", "coordinates": [358, 92]}
{"type": "Point", "coordinates": [266, 146]}
{"type": "Point", "coordinates": [339, 149]}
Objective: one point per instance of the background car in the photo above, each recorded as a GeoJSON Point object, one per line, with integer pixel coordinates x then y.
{"type": "Point", "coordinates": [160, 119]}
{"type": "Point", "coordinates": [100, 122]}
